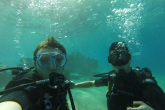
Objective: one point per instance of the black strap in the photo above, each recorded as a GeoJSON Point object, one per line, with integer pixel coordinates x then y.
{"type": "Point", "coordinates": [71, 99]}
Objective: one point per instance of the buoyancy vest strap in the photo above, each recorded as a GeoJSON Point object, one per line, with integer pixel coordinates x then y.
{"type": "Point", "coordinates": [71, 99]}
{"type": "Point", "coordinates": [108, 85]}
{"type": "Point", "coordinates": [110, 78]}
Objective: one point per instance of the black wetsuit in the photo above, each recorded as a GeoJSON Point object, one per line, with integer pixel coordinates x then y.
{"type": "Point", "coordinates": [126, 88]}
{"type": "Point", "coordinates": [40, 97]}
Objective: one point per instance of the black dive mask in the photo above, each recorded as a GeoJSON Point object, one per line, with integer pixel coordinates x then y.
{"type": "Point", "coordinates": [119, 58]}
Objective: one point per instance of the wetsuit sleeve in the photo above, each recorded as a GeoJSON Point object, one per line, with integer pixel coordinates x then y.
{"type": "Point", "coordinates": [101, 82]}
{"type": "Point", "coordinates": [19, 97]}
{"type": "Point", "coordinates": [154, 96]}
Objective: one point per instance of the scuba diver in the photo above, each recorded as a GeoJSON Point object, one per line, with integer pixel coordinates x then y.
{"type": "Point", "coordinates": [128, 88]}
{"type": "Point", "coordinates": [44, 88]}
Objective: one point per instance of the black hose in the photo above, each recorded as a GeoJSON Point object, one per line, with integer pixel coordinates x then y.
{"type": "Point", "coordinates": [101, 75]}
{"type": "Point", "coordinates": [17, 87]}
{"type": "Point", "coordinates": [12, 68]}
{"type": "Point", "coordinates": [16, 68]}
{"type": "Point", "coordinates": [23, 85]}
{"type": "Point", "coordinates": [71, 99]}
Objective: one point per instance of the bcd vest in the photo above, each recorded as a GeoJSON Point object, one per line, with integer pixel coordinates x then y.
{"type": "Point", "coordinates": [124, 88]}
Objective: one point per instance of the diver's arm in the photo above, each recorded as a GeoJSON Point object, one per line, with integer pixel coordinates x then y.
{"type": "Point", "coordinates": [85, 84]}
{"type": "Point", "coordinates": [10, 105]}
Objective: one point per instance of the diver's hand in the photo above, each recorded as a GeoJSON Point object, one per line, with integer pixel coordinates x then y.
{"type": "Point", "coordinates": [10, 105]}
{"type": "Point", "coordinates": [139, 105]}
{"type": "Point", "coordinates": [71, 84]}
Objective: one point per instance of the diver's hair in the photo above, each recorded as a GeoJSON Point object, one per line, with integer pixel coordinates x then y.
{"type": "Point", "coordinates": [49, 42]}
{"type": "Point", "coordinates": [115, 45]}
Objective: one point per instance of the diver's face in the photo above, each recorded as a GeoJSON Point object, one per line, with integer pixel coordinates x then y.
{"type": "Point", "coordinates": [48, 60]}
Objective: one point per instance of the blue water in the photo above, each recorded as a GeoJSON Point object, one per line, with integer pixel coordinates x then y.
{"type": "Point", "coordinates": [86, 26]}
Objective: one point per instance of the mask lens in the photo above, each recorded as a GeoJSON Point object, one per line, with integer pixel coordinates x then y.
{"type": "Point", "coordinates": [123, 56]}
{"type": "Point", "coordinates": [43, 60]}
{"type": "Point", "coordinates": [113, 57]}
{"type": "Point", "coordinates": [61, 59]}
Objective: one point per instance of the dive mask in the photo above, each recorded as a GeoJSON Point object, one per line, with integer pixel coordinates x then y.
{"type": "Point", "coordinates": [119, 58]}
{"type": "Point", "coordinates": [56, 60]}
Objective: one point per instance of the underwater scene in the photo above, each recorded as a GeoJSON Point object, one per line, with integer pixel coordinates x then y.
{"type": "Point", "coordinates": [86, 28]}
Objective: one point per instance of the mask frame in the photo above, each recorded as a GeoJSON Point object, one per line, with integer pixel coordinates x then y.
{"type": "Point", "coordinates": [49, 59]}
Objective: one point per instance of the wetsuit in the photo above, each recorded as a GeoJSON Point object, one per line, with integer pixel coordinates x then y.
{"type": "Point", "coordinates": [40, 97]}
{"type": "Point", "coordinates": [126, 88]}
